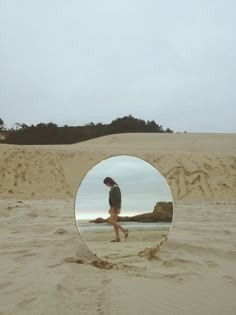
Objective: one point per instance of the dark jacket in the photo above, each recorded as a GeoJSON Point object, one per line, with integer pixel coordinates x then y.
{"type": "Point", "coordinates": [115, 197]}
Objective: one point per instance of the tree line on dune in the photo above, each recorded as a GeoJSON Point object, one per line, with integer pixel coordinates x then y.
{"type": "Point", "coordinates": [50, 133]}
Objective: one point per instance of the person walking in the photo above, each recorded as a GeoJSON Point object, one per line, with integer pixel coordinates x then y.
{"type": "Point", "coordinates": [115, 207]}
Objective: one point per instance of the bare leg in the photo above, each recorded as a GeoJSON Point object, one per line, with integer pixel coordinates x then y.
{"type": "Point", "coordinates": [112, 221]}
{"type": "Point", "coordinates": [117, 226]}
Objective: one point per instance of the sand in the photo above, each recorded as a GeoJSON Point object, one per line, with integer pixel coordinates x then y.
{"type": "Point", "coordinates": [138, 243]}
{"type": "Point", "coordinates": [47, 269]}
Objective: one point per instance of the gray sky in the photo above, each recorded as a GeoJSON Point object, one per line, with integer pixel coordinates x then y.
{"type": "Point", "coordinates": [73, 62]}
{"type": "Point", "coordinates": [141, 186]}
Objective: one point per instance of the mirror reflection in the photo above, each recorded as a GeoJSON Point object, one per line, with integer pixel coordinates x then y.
{"type": "Point", "coordinates": [123, 206]}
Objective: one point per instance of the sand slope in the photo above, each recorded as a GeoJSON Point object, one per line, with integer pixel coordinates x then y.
{"type": "Point", "coordinates": [199, 167]}
{"type": "Point", "coordinates": [45, 267]}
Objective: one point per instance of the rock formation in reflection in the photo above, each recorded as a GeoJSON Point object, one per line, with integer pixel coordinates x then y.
{"type": "Point", "coordinates": [162, 212]}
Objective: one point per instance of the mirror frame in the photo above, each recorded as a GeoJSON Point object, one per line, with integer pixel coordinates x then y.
{"type": "Point", "coordinates": [80, 182]}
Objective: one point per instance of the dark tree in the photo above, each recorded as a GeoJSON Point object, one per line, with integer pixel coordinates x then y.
{"type": "Point", "coordinates": [127, 124]}
{"type": "Point", "coordinates": [168, 130]}
{"type": "Point", "coordinates": [52, 134]}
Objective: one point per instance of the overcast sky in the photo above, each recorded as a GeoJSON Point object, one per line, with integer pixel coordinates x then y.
{"type": "Point", "coordinates": [73, 62]}
{"type": "Point", "coordinates": [141, 184]}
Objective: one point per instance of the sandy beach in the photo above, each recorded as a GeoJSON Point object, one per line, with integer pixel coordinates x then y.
{"type": "Point", "coordinates": [99, 242]}
{"type": "Point", "coordinates": [47, 269]}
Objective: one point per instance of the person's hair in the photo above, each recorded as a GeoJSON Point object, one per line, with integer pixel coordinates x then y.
{"type": "Point", "coordinates": [109, 180]}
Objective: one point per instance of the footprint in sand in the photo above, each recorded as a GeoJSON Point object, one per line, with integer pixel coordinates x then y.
{"type": "Point", "coordinates": [149, 253]}
{"type": "Point", "coordinates": [26, 302]}
{"type": "Point", "coordinates": [32, 215]}
{"type": "Point", "coordinates": [179, 262]}
{"type": "Point", "coordinates": [24, 255]}
{"type": "Point", "coordinates": [100, 305]}
{"type": "Point", "coordinates": [4, 285]}
{"type": "Point", "coordinates": [60, 231]}
{"type": "Point", "coordinates": [74, 260]}
{"type": "Point", "coordinates": [15, 252]}
{"type": "Point", "coordinates": [230, 279]}
{"type": "Point", "coordinates": [211, 263]}
{"type": "Point", "coordinates": [63, 289]}
{"type": "Point", "coordinates": [101, 264]}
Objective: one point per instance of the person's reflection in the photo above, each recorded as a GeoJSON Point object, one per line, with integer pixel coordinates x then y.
{"type": "Point", "coordinates": [115, 207]}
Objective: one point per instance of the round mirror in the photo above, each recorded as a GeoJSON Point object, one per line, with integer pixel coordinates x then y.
{"type": "Point", "coordinates": [123, 206]}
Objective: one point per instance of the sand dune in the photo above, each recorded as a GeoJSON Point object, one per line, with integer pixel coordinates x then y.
{"type": "Point", "coordinates": [47, 269]}
{"type": "Point", "coordinates": [205, 171]}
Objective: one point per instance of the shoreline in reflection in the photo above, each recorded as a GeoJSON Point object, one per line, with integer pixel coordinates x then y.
{"type": "Point", "coordinates": [86, 226]}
